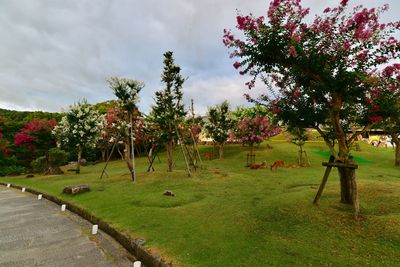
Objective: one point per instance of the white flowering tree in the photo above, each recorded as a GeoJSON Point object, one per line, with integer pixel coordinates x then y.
{"type": "Point", "coordinates": [127, 92]}
{"type": "Point", "coordinates": [79, 128]}
{"type": "Point", "coordinates": [218, 124]}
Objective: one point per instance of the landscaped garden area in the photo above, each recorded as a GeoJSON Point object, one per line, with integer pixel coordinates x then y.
{"type": "Point", "coordinates": [229, 215]}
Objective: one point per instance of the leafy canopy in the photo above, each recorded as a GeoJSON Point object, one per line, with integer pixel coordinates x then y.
{"type": "Point", "coordinates": [325, 73]}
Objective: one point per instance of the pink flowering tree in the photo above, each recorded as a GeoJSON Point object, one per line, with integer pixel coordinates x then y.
{"type": "Point", "coordinates": [253, 130]}
{"type": "Point", "coordinates": [320, 72]}
{"type": "Point", "coordinates": [114, 132]}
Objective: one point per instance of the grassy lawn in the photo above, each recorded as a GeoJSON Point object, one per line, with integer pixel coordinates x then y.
{"type": "Point", "coordinates": [228, 215]}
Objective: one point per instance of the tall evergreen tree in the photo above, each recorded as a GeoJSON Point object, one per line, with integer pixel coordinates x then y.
{"type": "Point", "coordinates": [169, 110]}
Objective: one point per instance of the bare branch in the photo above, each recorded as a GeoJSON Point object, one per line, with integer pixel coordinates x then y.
{"type": "Point", "coordinates": [364, 130]}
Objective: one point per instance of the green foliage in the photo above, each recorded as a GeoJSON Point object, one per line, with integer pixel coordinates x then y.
{"type": "Point", "coordinates": [299, 136]}
{"type": "Point", "coordinates": [40, 165]}
{"type": "Point", "coordinates": [8, 165]}
{"type": "Point", "coordinates": [219, 122]}
{"type": "Point", "coordinates": [169, 110]}
{"type": "Point", "coordinates": [27, 116]}
{"type": "Point", "coordinates": [11, 170]}
{"type": "Point", "coordinates": [241, 112]}
{"type": "Point", "coordinates": [127, 92]}
{"type": "Point", "coordinates": [103, 107]}
{"type": "Point", "coordinates": [7, 161]}
{"type": "Point", "coordinates": [57, 157]}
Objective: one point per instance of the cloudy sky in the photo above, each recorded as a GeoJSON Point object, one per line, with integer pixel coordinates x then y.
{"type": "Point", "coordinates": [56, 52]}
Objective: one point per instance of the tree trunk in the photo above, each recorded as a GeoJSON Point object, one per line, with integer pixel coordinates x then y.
{"type": "Point", "coordinates": [169, 147]}
{"type": "Point", "coordinates": [301, 161]}
{"type": "Point", "coordinates": [128, 160]}
{"type": "Point", "coordinates": [103, 155]}
{"type": "Point", "coordinates": [396, 141]}
{"type": "Point", "coordinates": [132, 155]}
{"type": "Point", "coordinates": [221, 151]}
{"type": "Point", "coordinates": [348, 184]}
{"type": "Point", "coordinates": [397, 155]}
{"type": "Point", "coordinates": [346, 175]}
{"type": "Point", "coordinates": [252, 157]}
{"type": "Point", "coordinates": [214, 150]}
{"type": "Point", "coordinates": [78, 164]}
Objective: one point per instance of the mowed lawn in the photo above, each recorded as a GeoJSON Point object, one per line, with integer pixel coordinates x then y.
{"type": "Point", "coordinates": [228, 215]}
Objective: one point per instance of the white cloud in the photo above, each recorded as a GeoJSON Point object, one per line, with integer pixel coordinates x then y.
{"type": "Point", "coordinates": [208, 92]}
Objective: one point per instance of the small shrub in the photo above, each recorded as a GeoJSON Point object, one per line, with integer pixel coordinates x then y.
{"type": "Point", "coordinates": [11, 170]}
{"type": "Point", "coordinates": [51, 163]}
{"type": "Point", "coordinates": [7, 161]}
{"type": "Point", "coordinates": [40, 165]}
{"type": "Point", "coordinates": [58, 157]}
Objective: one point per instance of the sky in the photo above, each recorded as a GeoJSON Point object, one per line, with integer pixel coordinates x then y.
{"type": "Point", "coordinates": [54, 53]}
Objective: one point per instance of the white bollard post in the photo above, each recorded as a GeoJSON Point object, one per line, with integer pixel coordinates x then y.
{"type": "Point", "coordinates": [137, 264]}
{"type": "Point", "coordinates": [8, 185]}
{"type": "Point", "coordinates": [95, 227]}
{"type": "Point", "coordinates": [23, 189]}
{"type": "Point", "coordinates": [39, 196]}
{"type": "Point", "coordinates": [63, 207]}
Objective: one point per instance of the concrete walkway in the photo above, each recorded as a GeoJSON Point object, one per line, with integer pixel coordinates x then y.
{"type": "Point", "coordinates": [35, 233]}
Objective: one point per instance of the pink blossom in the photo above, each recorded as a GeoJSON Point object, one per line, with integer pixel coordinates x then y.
{"type": "Point", "coordinates": [375, 119]}
{"type": "Point", "coordinates": [344, 2]}
{"type": "Point", "coordinates": [296, 38]}
{"type": "Point", "coordinates": [376, 108]}
{"type": "Point", "coordinates": [327, 10]}
{"type": "Point", "coordinates": [292, 51]}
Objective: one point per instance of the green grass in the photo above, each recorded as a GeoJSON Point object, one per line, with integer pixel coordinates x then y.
{"type": "Point", "coordinates": [327, 154]}
{"type": "Point", "coordinates": [228, 215]}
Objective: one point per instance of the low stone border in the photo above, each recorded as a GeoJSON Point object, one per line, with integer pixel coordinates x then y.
{"type": "Point", "coordinates": [134, 246]}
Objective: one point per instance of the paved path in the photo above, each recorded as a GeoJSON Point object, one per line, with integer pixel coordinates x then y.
{"type": "Point", "coordinates": [35, 233]}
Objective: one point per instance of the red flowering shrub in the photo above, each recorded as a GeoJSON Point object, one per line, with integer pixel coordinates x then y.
{"type": "Point", "coordinates": [36, 137]}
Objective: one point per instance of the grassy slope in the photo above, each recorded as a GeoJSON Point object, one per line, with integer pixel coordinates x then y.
{"type": "Point", "coordinates": [227, 215]}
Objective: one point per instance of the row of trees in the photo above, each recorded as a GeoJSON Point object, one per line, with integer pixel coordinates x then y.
{"type": "Point", "coordinates": [166, 125]}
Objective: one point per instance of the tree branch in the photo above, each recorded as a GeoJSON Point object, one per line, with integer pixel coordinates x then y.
{"type": "Point", "coordinates": [364, 130]}
{"type": "Point", "coordinates": [328, 142]}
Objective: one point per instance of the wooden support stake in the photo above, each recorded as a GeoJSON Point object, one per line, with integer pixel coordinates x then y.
{"type": "Point", "coordinates": [340, 165]}
{"type": "Point", "coordinates": [324, 180]}
{"type": "Point", "coordinates": [356, 204]}
{"type": "Point", "coordinates": [108, 159]}
{"type": "Point", "coordinates": [151, 157]}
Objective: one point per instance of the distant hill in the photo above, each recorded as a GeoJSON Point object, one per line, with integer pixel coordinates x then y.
{"type": "Point", "coordinates": [26, 116]}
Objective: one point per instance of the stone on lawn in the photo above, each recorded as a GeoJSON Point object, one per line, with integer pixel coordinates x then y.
{"type": "Point", "coordinates": [76, 189]}
{"type": "Point", "coordinates": [169, 193]}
